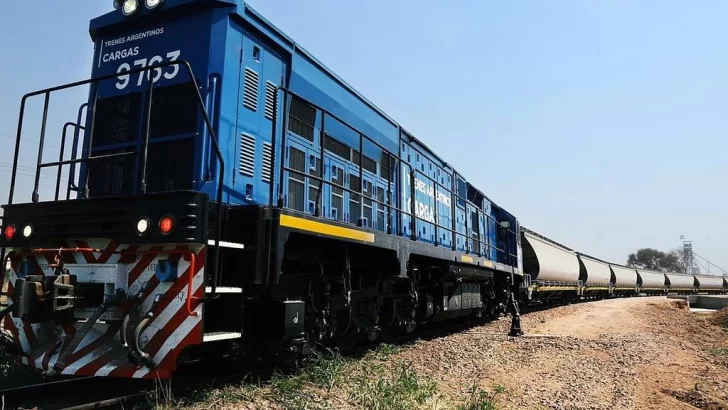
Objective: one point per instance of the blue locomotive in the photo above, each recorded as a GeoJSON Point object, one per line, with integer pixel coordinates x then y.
{"type": "Point", "coordinates": [229, 192]}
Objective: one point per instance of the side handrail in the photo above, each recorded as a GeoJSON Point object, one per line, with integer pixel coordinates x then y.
{"type": "Point", "coordinates": [212, 98]}
{"type": "Point", "coordinates": [412, 172]}
{"type": "Point", "coordinates": [95, 82]}
{"type": "Point", "coordinates": [485, 244]}
{"type": "Point", "coordinates": [60, 159]}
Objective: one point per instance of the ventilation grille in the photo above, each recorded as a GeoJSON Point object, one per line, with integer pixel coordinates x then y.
{"type": "Point", "coordinates": [296, 192]}
{"type": "Point", "coordinates": [174, 110]}
{"type": "Point", "coordinates": [301, 118]}
{"type": "Point", "coordinates": [267, 161]}
{"type": "Point", "coordinates": [337, 207]}
{"type": "Point", "coordinates": [117, 120]}
{"type": "Point", "coordinates": [270, 93]}
{"type": "Point", "coordinates": [369, 164]}
{"type": "Point", "coordinates": [387, 165]}
{"type": "Point", "coordinates": [164, 175]}
{"type": "Point", "coordinates": [250, 95]}
{"type": "Point", "coordinates": [112, 176]}
{"type": "Point", "coordinates": [337, 147]}
{"type": "Point", "coordinates": [296, 185]}
{"type": "Point", "coordinates": [297, 161]}
{"type": "Point", "coordinates": [247, 155]}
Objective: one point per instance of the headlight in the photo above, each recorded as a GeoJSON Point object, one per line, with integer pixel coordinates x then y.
{"type": "Point", "coordinates": [143, 226]}
{"type": "Point", "coordinates": [153, 3]}
{"type": "Point", "coordinates": [27, 231]}
{"type": "Point", "coordinates": [129, 7]}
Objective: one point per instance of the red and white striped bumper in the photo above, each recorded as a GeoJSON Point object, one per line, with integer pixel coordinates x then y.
{"type": "Point", "coordinates": [100, 352]}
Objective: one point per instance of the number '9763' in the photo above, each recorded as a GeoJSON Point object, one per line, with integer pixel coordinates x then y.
{"type": "Point", "coordinates": [168, 72]}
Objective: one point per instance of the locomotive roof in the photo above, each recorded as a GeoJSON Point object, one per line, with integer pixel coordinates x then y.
{"type": "Point", "coordinates": [250, 15]}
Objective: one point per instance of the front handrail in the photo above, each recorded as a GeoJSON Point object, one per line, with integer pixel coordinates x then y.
{"type": "Point", "coordinates": [74, 150]}
{"type": "Point", "coordinates": [77, 127]}
{"type": "Point", "coordinates": [95, 82]}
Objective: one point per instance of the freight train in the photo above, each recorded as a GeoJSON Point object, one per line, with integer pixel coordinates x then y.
{"type": "Point", "coordinates": [556, 273]}
{"type": "Point", "coordinates": [230, 195]}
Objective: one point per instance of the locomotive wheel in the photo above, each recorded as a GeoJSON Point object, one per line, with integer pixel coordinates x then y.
{"type": "Point", "coordinates": [347, 341]}
{"type": "Point", "coordinates": [289, 362]}
{"type": "Point", "coordinates": [388, 333]}
{"type": "Point", "coordinates": [388, 324]}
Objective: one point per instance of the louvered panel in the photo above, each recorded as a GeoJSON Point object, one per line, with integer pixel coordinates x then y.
{"type": "Point", "coordinates": [174, 111]}
{"type": "Point", "coordinates": [250, 92]}
{"type": "Point", "coordinates": [117, 119]}
{"type": "Point", "coordinates": [270, 93]}
{"type": "Point", "coordinates": [301, 118]}
{"type": "Point", "coordinates": [163, 175]}
{"type": "Point", "coordinates": [267, 161]}
{"type": "Point", "coordinates": [296, 191]}
{"type": "Point", "coordinates": [247, 155]}
{"type": "Point", "coordinates": [297, 160]}
{"type": "Point", "coordinates": [111, 176]}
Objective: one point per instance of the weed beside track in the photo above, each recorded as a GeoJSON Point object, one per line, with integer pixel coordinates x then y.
{"type": "Point", "coordinates": [326, 380]}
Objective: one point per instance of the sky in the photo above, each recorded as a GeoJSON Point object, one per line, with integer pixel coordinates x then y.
{"type": "Point", "coordinates": [600, 123]}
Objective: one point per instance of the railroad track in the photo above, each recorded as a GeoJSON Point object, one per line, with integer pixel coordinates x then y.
{"type": "Point", "coordinates": [73, 394]}
{"type": "Point", "coordinates": [114, 403]}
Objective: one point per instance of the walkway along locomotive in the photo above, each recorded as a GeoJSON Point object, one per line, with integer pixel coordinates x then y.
{"type": "Point", "coordinates": [229, 193]}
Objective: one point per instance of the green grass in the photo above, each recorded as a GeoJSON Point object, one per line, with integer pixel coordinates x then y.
{"type": "Point", "coordinates": [291, 393]}
{"type": "Point", "coordinates": [326, 377]}
{"type": "Point", "coordinates": [378, 388]}
{"type": "Point", "coordinates": [377, 384]}
{"type": "Point", "coordinates": [482, 399]}
{"type": "Point", "coordinates": [719, 351]}
{"type": "Point", "coordinates": [379, 380]}
{"type": "Point", "coordinates": [307, 390]}
{"type": "Point", "coordinates": [324, 369]}
{"type": "Point", "coordinates": [384, 351]}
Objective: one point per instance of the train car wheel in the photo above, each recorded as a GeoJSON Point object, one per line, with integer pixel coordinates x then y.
{"type": "Point", "coordinates": [347, 341]}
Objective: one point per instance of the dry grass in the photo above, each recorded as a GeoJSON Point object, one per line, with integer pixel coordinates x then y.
{"type": "Point", "coordinates": [720, 318]}
{"type": "Point", "coordinates": [377, 381]}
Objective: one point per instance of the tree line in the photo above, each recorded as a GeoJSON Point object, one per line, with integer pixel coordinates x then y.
{"type": "Point", "coordinates": [653, 259]}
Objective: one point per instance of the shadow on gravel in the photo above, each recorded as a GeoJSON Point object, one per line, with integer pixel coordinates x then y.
{"type": "Point", "coordinates": [696, 398]}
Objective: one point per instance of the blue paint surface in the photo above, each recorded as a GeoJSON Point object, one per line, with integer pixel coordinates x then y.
{"type": "Point", "coordinates": [243, 64]}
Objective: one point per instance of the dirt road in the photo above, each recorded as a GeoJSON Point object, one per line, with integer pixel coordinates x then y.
{"type": "Point", "coordinates": [640, 353]}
